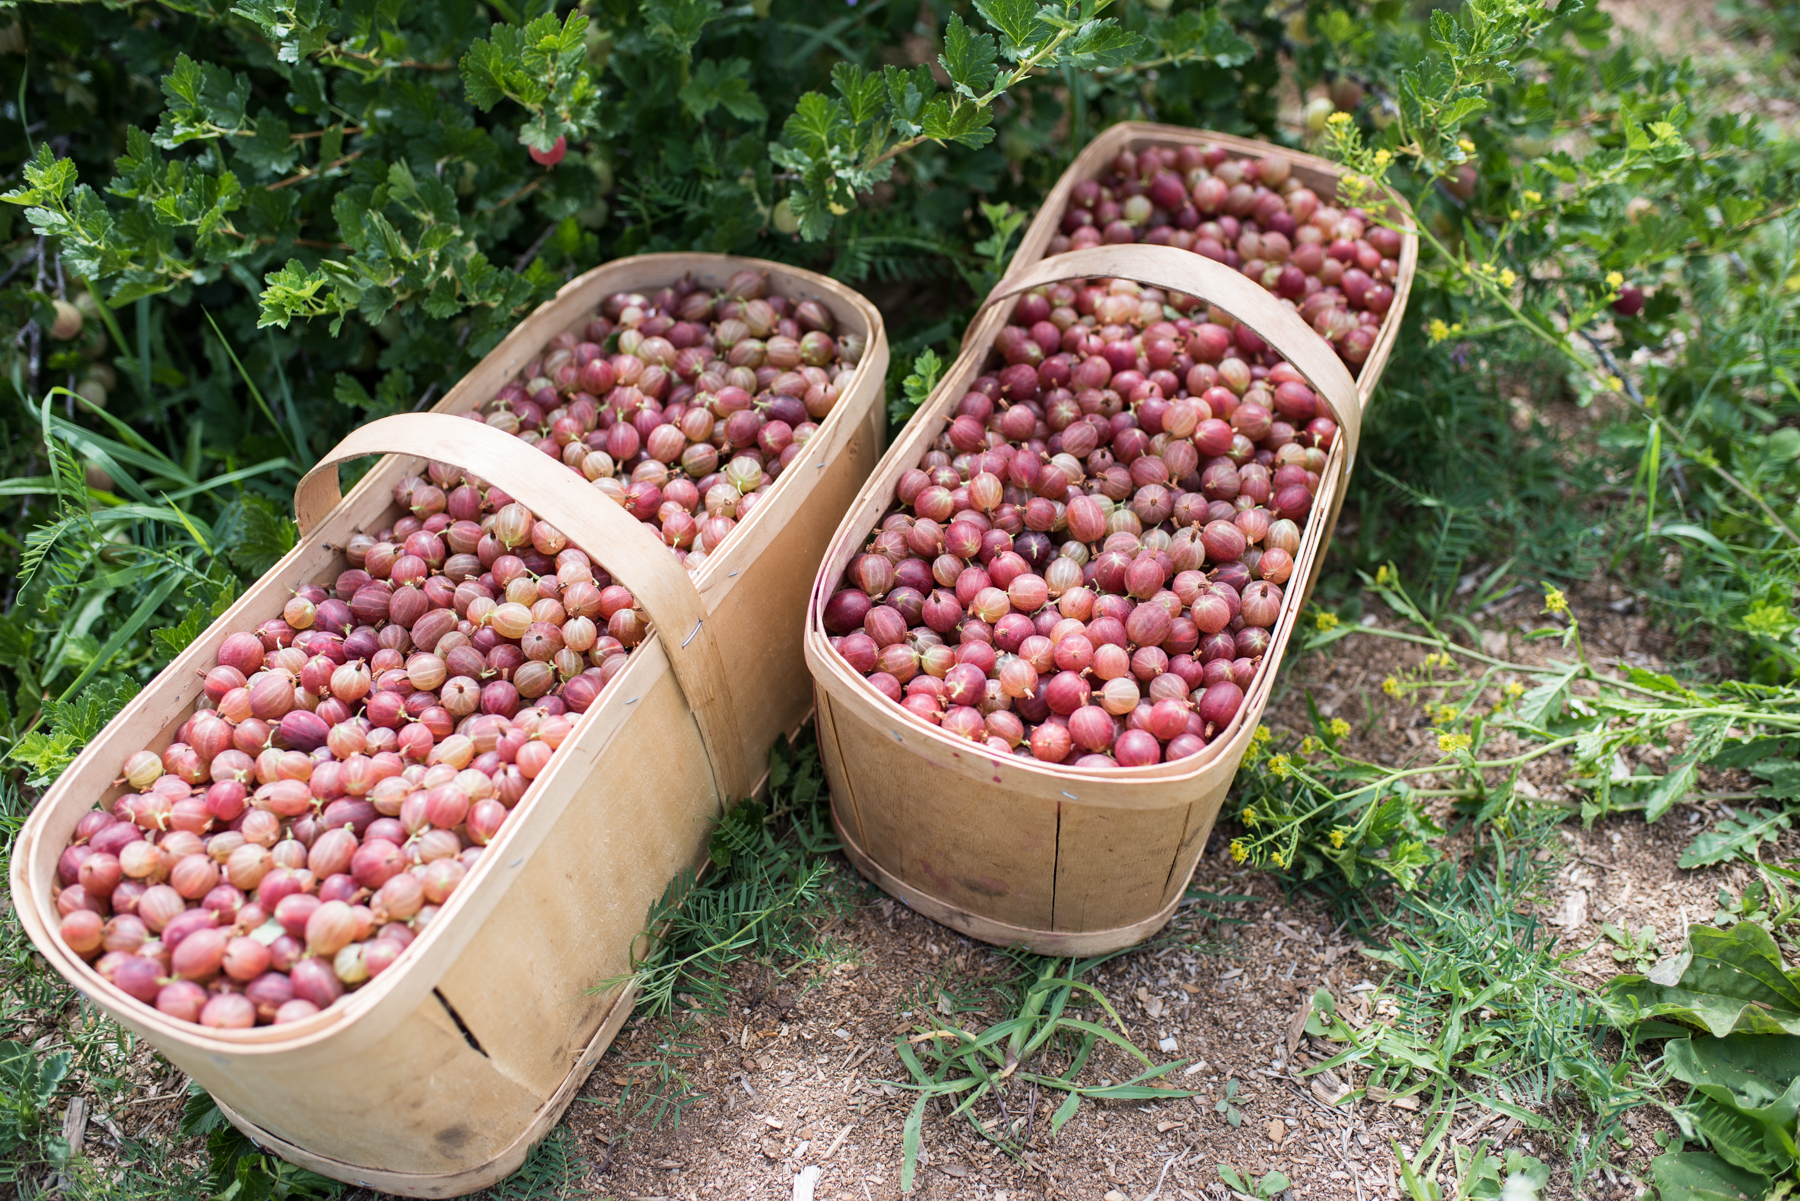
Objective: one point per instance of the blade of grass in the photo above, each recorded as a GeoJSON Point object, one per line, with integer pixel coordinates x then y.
{"type": "Point", "coordinates": [256, 393]}
{"type": "Point", "coordinates": [139, 617]}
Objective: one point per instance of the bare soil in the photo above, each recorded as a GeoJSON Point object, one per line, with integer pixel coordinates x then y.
{"type": "Point", "coordinates": [794, 1078]}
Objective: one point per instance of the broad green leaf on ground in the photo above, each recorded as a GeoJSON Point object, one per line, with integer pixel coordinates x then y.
{"type": "Point", "coordinates": [1747, 1093]}
{"type": "Point", "coordinates": [1731, 982]}
{"type": "Point", "coordinates": [1697, 1176]}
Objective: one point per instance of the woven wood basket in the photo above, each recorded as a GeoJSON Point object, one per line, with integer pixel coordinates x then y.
{"type": "Point", "coordinates": [435, 1079]}
{"type": "Point", "coordinates": [1011, 851]}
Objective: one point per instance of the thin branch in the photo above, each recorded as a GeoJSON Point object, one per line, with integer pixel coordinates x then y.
{"type": "Point", "coordinates": [523, 192]}
{"type": "Point", "coordinates": [319, 133]}
{"type": "Point", "coordinates": [303, 176]}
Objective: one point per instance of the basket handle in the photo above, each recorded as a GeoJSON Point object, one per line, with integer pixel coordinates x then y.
{"type": "Point", "coordinates": [1183, 271]}
{"type": "Point", "coordinates": [599, 526]}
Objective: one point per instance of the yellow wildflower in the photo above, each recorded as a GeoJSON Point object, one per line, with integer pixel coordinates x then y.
{"type": "Point", "coordinates": [1325, 620]}
{"type": "Point", "coordinates": [1337, 837]}
{"type": "Point", "coordinates": [1391, 686]}
{"type": "Point", "coordinates": [1446, 714]}
{"type": "Point", "coordinates": [1466, 146]}
{"type": "Point", "coordinates": [1238, 853]}
{"type": "Point", "coordinates": [1515, 214]}
{"type": "Point", "coordinates": [1248, 816]}
{"type": "Point", "coordinates": [1514, 690]}
{"type": "Point", "coordinates": [1339, 728]}
{"type": "Point", "coordinates": [1507, 278]}
{"type": "Point", "coordinates": [1614, 384]}
{"type": "Point", "coordinates": [1452, 743]}
{"type": "Point", "coordinates": [1338, 118]}
{"type": "Point", "coordinates": [1437, 329]}
{"type": "Point", "coordinates": [1488, 268]}
{"type": "Point", "coordinates": [1384, 576]}
{"type": "Point", "coordinates": [1261, 736]}
{"type": "Point", "coordinates": [1383, 158]}
{"type": "Point", "coordinates": [1310, 745]}
{"type": "Point", "coordinates": [1281, 766]}
{"type": "Point", "coordinates": [1614, 280]}
{"type": "Point", "coordinates": [1275, 857]}
{"type": "Point", "coordinates": [1532, 197]}
{"type": "Point", "coordinates": [1554, 601]}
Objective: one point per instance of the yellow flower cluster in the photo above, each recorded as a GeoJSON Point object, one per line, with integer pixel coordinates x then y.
{"type": "Point", "coordinates": [1337, 837]}
{"type": "Point", "coordinates": [1248, 816]}
{"type": "Point", "coordinates": [1339, 728]}
{"type": "Point", "coordinates": [1614, 384]}
{"type": "Point", "coordinates": [1325, 620]}
{"type": "Point", "coordinates": [1262, 735]}
{"type": "Point", "coordinates": [1507, 278]}
{"type": "Point", "coordinates": [1383, 158]}
{"type": "Point", "coordinates": [1238, 851]}
{"type": "Point", "coordinates": [1338, 118]}
{"type": "Point", "coordinates": [1514, 690]}
{"type": "Point", "coordinates": [1532, 197]}
{"type": "Point", "coordinates": [1276, 858]}
{"type": "Point", "coordinates": [1614, 280]}
{"type": "Point", "coordinates": [1391, 686]}
{"type": "Point", "coordinates": [1439, 331]}
{"type": "Point", "coordinates": [1439, 659]}
{"type": "Point", "coordinates": [1554, 601]}
{"type": "Point", "coordinates": [1452, 743]}
{"type": "Point", "coordinates": [1446, 714]}
{"type": "Point", "coordinates": [1281, 766]}
{"type": "Point", "coordinates": [1385, 575]}
{"type": "Point", "coordinates": [1310, 746]}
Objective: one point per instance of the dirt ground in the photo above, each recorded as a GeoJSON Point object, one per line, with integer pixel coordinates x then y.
{"type": "Point", "coordinates": [794, 1079]}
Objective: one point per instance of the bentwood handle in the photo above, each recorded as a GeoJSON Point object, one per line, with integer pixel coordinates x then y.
{"type": "Point", "coordinates": [1182, 271]}
{"type": "Point", "coordinates": [624, 546]}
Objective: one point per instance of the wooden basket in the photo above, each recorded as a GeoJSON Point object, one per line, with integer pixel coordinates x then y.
{"type": "Point", "coordinates": [1060, 860]}
{"type": "Point", "coordinates": [435, 1078]}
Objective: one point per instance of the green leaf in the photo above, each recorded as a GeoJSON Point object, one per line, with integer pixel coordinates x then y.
{"type": "Point", "coordinates": [1733, 837]}
{"type": "Point", "coordinates": [968, 58]}
{"type": "Point", "coordinates": [910, 1135]}
{"type": "Point", "coordinates": [1543, 702]}
{"type": "Point", "coordinates": [1065, 1111]}
{"type": "Point", "coordinates": [678, 23]}
{"type": "Point", "coordinates": [1732, 982]}
{"type": "Point", "coordinates": [1697, 1176]}
{"type": "Point", "coordinates": [1099, 45]}
{"type": "Point", "coordinates": [68, 726]}
{"type": "Point", "coordinates": [256, 534]}
{"type": "Point", "coordinates": [1782, 776]}
{"type": "Point", "coordinates": [1749, 1095]}
{"type": "Point", "coordinates": [714, 84]}
{"type": "Point", "coordinates": [1671, 788]}
{"type": "Point", "coordinates": [484, 71]}
{"type": "Point", "coordinates": [175, 639]}
{"type": "Point", "coordinates": [47, 179]}
{"type": "Point", "coordinates": [1018, 23]}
